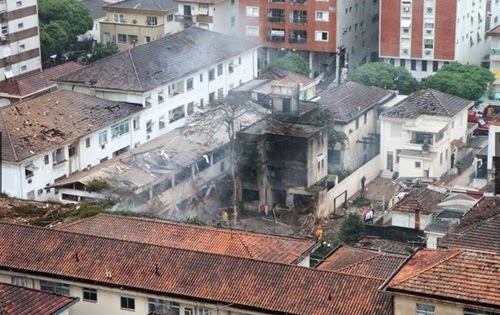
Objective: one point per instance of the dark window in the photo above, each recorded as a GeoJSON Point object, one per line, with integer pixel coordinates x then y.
{"type": "Point", "coordinates": [365, 118]}
{"type": "Point", "coordinates": [211, 97]}
{"type": "Point", "coordinates": [127, 303]}
{"type": "Point", "coordinates": [211, 74]}
{"type": "Point", "coordinates": [189, 84]}
{"type": "Point", "coordinates": [413, 65]}
{"type": "Point", "coordinates": [87, 142]}
{"type": "Point", "coordinates": [46, 159]}
{"type": "Point", "coordinates": [90, 294]}
{"type": "Point", "coordinates": [435, 66]}
{"type": "Point", "coordinates": [219, 69]}
{"type": "Point", "coordinates": [71, 150]}
{"type": "Point", "coordinates": [357, 123]}
{"type": "Point", "coordinates": [402, 62]}
{"type": "Point", "coordinates": [54, 287]}
{"type": "Point", "coordinates": [424, 65]}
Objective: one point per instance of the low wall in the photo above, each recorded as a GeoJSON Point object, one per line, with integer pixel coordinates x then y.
{"type": "Point", "coordinates": [347, 188]}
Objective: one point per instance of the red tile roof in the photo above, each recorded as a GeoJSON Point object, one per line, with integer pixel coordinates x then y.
{"type": "Point", "coordinates": [15, 300]}
{"type": "Point", "coordinates": [479, 229]}
{"type": "Point", "coordinates": [241, 282]}
{"type": "Point", "coordinates": [464, 276]}
{"type": "Point", "coordinates": [362, 262]}
{"type": "Point", "coordinates": [422, 199]}
{"type": "Point", "coordinates": [198, 238]}
{"type": "Point", "coordinates": [287, 76]}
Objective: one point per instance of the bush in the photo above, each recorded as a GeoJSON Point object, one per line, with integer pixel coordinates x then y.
{"type": "Point", "coordinates": [351, 230]}
{"type": "Point", "coordinates": [362, 202]}
{"type": "Point", "coordinates": [193, 221]}
{"type": "Point", "coordinates": [97, 185]}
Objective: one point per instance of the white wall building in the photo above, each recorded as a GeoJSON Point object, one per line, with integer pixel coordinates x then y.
{"type": "Point", "coordinates": [171, 78]}
{"type": "Point", "coordinates": [58, 134]}
{"type": "Point", "coordinates": [19, 39]}
{"type": "Point", "coordinates": [417, 133]}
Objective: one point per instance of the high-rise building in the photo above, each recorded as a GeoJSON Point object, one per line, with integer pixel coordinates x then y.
{"type": "Point", "coordinates": [19, 38]}
{"type": "Point", "coordinates": [330, 34]}
{"type": "Point", "coordinates": [423, 35]}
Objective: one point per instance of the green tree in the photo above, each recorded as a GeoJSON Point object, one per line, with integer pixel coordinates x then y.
{"type": "Point", "coordinates": [292, 62]}
{"type": "Point", "coordinates": [101, 51]}
{"type": "Point", "coordinates": [386, 76]}
{"type": "Point", "coordinates": [60, 23]}
{"type": "Point", "coordinates": [351, 230]}
{"type": "Point", "coordinates": [467, 81]}
{"type": "Point", "coordinates": [324, 117]}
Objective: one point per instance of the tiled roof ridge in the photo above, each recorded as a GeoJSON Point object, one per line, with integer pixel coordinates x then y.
{"type": "Point", "coordinates": [339, 271]}
{"type": "Point", "coordinates": [287, 265]}
{"type": "Point", "coordinates": [247, 248]}
{"type": "Point", "coordinates": [6, 130]}
{"type": "Point", "coordinates": [473, 225]}
{"type": "Point", "coordinates": [458, 252]}
{"type": "Point", "coordinates": [132, 61]}
{"type": "Point", "coordinates": [211, 228]}
{"type": "Point", "coordinates": [432, 93]}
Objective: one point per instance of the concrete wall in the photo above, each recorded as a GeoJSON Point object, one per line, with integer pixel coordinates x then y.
{"type": "Point", "coordinates": [404, 305]}
{"type": "Point", "coordinates": [351, 184]}
{"type": "Point", "coordinates": [407, 219]}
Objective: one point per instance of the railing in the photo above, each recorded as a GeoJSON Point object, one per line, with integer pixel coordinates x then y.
{"type": "Point", "coordinates": [274, 38]}
{"type": "Point", "coordinates": [295, 40]}
{"type": "Point", "coordinates": [299, 20]}
{"type": "Point", "coordinates": [298, 1]}
{"type": "Point", "coordinates": [276, 19]}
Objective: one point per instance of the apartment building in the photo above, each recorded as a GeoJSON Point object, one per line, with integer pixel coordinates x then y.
{"type": "Point", "coordinates": [330, 34]}
{"type": "Point", "coordinates": [424, 35]}
{"type": "Point", "coordinates": [134, 22]}
{"type": "Point", "coordinates": [19, 39]}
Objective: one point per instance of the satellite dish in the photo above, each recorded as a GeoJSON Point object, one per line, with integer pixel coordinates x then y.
{"type": "Point", "coordinates": [4, 102]}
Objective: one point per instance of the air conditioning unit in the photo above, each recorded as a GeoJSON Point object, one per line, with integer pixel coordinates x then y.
{"type": "Point", "coordinates": [3, 38]}
{"type": "Point", "coordinates": [406, 9]}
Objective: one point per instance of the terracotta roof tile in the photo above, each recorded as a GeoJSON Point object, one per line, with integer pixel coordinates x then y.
{"type": "Point", "coordinates": [362, 262]}
{"type": "Point", "coordinates": [165, 60]}
{"type": "Point", "coordinates": [351, 99]}
{"type": "Point", "coordinates": [51, 120]}
{"type": "Point", "coordinates": [467, 276]}
{"type": "Point", "coordinates": [287, 76]}
{"type": "Point", "coordinates": [428, 102]}
{"type": "Point", "coordinates": [246, 283]}
{"type": "Point", "coordinates": [149, 5]}
{"type": "Point", "coordinates": [422, 199]}
{"type": "Point", "coordinates": [198, 238]}
{"type": "Point", "coordinates": [15, 300]}
{"type": "Point", "coordinates": [478, 229]}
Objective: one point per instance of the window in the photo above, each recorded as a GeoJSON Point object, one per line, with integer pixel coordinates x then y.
{"type": "Point", "coordinates": [158, 306]}
{"type": "Point", "coordinates": [190, 108]}
{"type": "Point", "coordinates": [357, 123]}
{"type": "Point", "coordinates": [203, 311]}
{"type": "Point", "coordinates": [201, 77]}
{"type": "Point", "coordinates": [89, 295]}
{"type": "Point", "coordinates": [435, 66]}
{"type": "Point", "coordinates": [189, 84]}
{"type": "Point", "coordinates": [220, 93]}
{"type": "Point", "coordinates": [233, 21]}
{"type": "Point", "coordinates": [5, 29]}
{"type": "Point", "coordinates": [107, 38]}
{"type": "Point", "coordinates": [203, 9]}
{"type": "Point", "coordinates": [151, 20]}
{"type": "Point", "coordinates": [22, 46]}
{"type": "Point", "coordinates": [418, 165]}
{"type": "Point", "coordinates": [103, 138]}
{"type": "Point", "coordinates": [147, 39]}
{"type": "Point", "coordinates": [161, 98]}
{"type": "Point", "coordinates": [321, 36]}
{"type": "Point", "coordinates": [230, 67]}
{"type": "Point", "coordinates": [71, 150]}
{"type": "Point", "coordinates": [120, 129]}
{"type": "Point", "coordinates": [365, 118]}
{"type": "Point", "coordinates": [170, 17]}
{"type": "Point", "coordinates": [127, 303]}
{"type": "Point", "coordinates": [424, 65]}
{"type": "Point", "coordinates": [413, 65]}
{"type": "Point", "coordinates": [322, 16]}
{"type": "Point", "coordinates": [19, 3]}
{"type": "Point", "coordinates": [149, 126]}
{"type": "Point", "coordinates": [87, 142]}
{"type": "Point", "coordinates": [219, 69]}
{"type": "Point", "coordinates": [428, 43]}
{"type": "Point", "coordinates": [211, 97]}
{"type": "Point", "coordinates": [176, 114]}
{"type": "Point", "coordinates": [132, 39]}
{"type": "Point", "coordinates": [211, 74]}
{"type": "Point", "coordinates": [398, 152]}
{"type": "Point", "coordinates": [402, 63]}
{"type": "Point", "coordinates": [424, 309]}
{"type": "Point", "coordinates": [20, 281]}
{"type": "Point", "coordinates": [441, 158]}
{"type": "Point", "coordinates": [252, 31]}
{"type": "Point", "coordinates": [470, 311]}
{"type": "Point", "coordinates": [161, 122]}
{"type": "Point", "coordinates": [202, 102]}
{"type": "Point", "coordinates": [252, 11]}
{"type": "Point", "coordinates": [54, 287]}
{"type": "Point", "coordinates": [121, 38]}
{"type": "Point", "coordinates": [46, 159]}
{"type": "Point", "coordinates": [58, 156]}
{"type": "Point", "coordinates": [118, 18]}
{"type": "Point", "coordinates": [20, 25]}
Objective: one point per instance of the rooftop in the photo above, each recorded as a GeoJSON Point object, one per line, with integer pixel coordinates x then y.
{"type": "Point", "coordinates": [495, 31]}
{"type": "Point", "coordinates": [352, 99]}
{"type": "Point", "coordinates": [478, 229]}
{"type": "Point", "coordinates": [95, 8]}
{"type": "Point", "coordinates": [27, 85]}
{"type": "Point", "coordinates": [242, 282]}
{"type": "Point", "coordinates": [421, 199]}
{"type": "Point", "coordinates": [49, 121]}
{"type": "Point", "coordinates": [162, 61]}
{"type": "Point", "coordinates": [362, 262]}
{"type": "Point", "coordinates": [15, 300]}
{"type": "Point", "coordinates": [428, 102]}
{"type": "Point", "coordinates": [204, 239]}
{"type": "Point", "coordinates": [148, 5]}
{"type": "Point", "coordinates": [464, 276]}
{"type": "Point", "coordinates": [281, 128]}
{"type": "Point", "coordinates": [287, 76]}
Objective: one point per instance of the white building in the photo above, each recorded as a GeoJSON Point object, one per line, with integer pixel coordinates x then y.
{"type": "Point", "coordinates": [494, 35]}
{"type": "Point", "coordinates": [171, 78]}
{"type": "Point", "coordinates": [417, 134]}
{"type": "Point", "coordinates": [19, 39]}
{"type": "Point", "coordinates": [58, 134]}
{"type": "Point", "coordinates": [220, 16]}
{"type": "Point", "coordinates": [97, 13]}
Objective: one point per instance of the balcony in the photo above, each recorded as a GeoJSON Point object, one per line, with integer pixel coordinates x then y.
{"type": "Point", "coordinates": [276, 35]}
{"type": "Point", "coordinates": [298, 37]}
{"type": "Point", "coordinates": [300, 2]}
{"type": "Point", "coordinates": [276, 16]}
{"type": "Point", "coordinates": [276, 1]}
{"type": "Point", "coordinates": [186, 19]}
{"type": "Point", "coordinates": [299, 20]}
{"type": "Point", "coordinates": [204, 19]}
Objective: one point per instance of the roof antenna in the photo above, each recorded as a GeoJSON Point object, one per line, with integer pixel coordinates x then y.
{"type": "Point", "coordinates": [157, 271]}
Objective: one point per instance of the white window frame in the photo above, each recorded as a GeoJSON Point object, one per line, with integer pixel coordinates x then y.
{"type": "Point", "coordinates": [103, 137]}
{"type": "Point", "coordinates": [252, 11]}
{"type": "Point", "coordinates": [120, 129]}
{"type": "Point", "coordinates": [425, 309]}
{"type": "Point", "coordinates": [118, 18]}
{"type": "Point", "coordinates": [322, 16]}
{"type": "Point", "coordinates": [252, 30]}
{"type": "Point", "coordinates": [318, 36]}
